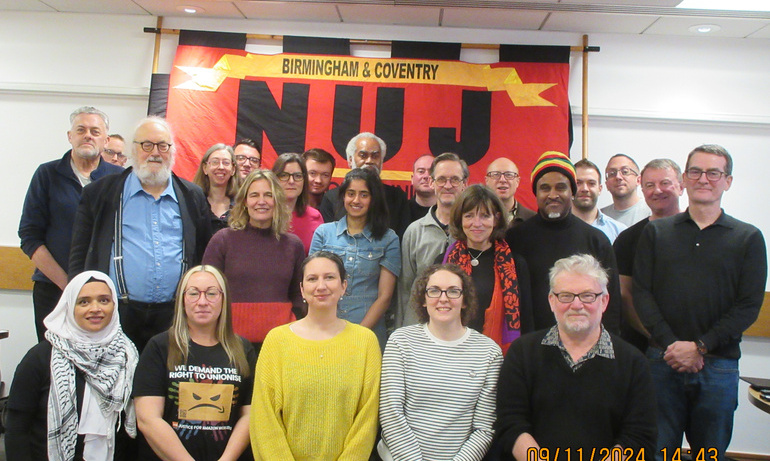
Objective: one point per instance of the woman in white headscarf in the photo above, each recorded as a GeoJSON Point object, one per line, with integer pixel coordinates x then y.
{"type": "Point", "coordinates": [71, 394]}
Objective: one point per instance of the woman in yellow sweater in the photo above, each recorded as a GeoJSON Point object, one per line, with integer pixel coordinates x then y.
{"type": "Point", "coordinates": [317, 383]}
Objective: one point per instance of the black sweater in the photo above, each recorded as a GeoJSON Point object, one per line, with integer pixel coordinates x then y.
{"type": "Point", "coordinates": [604, 403]}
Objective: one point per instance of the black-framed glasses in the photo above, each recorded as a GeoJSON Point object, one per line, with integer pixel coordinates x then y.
{"type": "Point", "coordinates": [625, 171]}
{"type": "Point", "coordinates": [148, 146]}
{"type": "Point", "coordinates": [451, 293]}
{"type": "Point", "coordinates": [193, 294]}
{"type": "Point", "coordinates": [256, 161]}
{"type": "Point", "coordinates": [509, 175]}
{"type": "Point", "coordinates": [284, 177]}
{"type": "Point", "coordinates": [113, 153]}
{"type": "Point", "coordinates": [585, 297]}
{"type": "Point", "coordinates": [454, 181]}
{"type": "Point", "coordinates": [712, 175]}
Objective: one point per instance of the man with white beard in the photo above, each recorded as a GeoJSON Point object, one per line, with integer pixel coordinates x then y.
{"type": "Point", "coordinates": [52, 199]}
{"type": "Point", "coordinates": [144, 228]}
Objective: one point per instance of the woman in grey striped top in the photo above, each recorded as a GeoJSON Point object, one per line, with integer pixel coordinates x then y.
{"type": "Point", "coordinates": [439, 377]}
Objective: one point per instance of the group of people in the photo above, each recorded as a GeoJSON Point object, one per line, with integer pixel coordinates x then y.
{"type": "Point", "coordinates": [459, 322]}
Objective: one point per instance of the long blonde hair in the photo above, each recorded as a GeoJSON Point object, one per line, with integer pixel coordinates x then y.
{"type": "Point", "coordinates": [179, 333]}
{"type": "Point", "coordinates": [239, 215]}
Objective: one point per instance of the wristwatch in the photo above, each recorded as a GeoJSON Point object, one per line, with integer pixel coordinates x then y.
{"type": "Point", "coordinates": [702, 350]}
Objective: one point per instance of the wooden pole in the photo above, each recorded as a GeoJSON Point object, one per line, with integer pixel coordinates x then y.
{"type": "Point", "coordinates": [585, 97]}
{"type": "Point", "coordinates": [477, 46]}
{"type": "Point", "coordinates": [156, 53]}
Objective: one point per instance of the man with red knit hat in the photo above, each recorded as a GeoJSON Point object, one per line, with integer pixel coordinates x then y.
{"type": "Point", "coordinates": [555, 233]}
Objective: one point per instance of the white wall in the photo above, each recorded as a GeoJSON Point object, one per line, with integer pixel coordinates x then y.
{"type": "Point", "coordinates": [649, 97]}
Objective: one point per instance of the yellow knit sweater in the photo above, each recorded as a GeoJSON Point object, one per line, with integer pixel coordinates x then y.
{"type": "Point", "coordinates": [316, 400]}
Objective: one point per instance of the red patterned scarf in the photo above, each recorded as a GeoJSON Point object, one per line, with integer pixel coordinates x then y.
{"type": "Point", "coordinates": [502, 320]}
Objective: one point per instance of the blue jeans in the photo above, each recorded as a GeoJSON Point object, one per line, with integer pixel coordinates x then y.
{"type": "Point", "coordinates": [699, 405]}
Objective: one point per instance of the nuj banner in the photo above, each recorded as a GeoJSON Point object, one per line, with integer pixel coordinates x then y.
{"type": "Point", "coordinates": [421, 100]}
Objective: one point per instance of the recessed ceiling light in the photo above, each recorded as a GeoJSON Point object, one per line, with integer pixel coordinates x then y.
{"type": "Point", "coordinates": [704, 28]}
{"type": "Point", "coordinates": [190, 9]}
{"type": "Point", "coordinates": [728, 5]}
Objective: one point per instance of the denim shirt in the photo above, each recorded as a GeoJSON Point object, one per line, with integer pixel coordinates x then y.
{"type": "Point", "coordinates": [362, 256]}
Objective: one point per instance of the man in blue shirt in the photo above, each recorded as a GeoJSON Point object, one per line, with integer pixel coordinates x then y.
{"type": "Point", "coordinates": [49, 207]}
{"type": "Point", "coordinates": [145, 228]}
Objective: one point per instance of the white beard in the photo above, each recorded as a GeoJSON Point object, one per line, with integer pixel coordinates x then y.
{"type": "Point", "coordinates": [154, 178]}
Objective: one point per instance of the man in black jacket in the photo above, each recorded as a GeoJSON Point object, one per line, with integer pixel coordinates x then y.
{"type": "Point", "coordinates": [145, 228]}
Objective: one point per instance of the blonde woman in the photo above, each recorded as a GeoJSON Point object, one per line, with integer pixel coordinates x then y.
{"type": "Point", "coordinates": [194, 381]}
{"type": "Point", "coordinates": [259, 258]}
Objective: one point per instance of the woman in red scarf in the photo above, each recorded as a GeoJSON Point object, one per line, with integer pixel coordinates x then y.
{"type": "Point", "coordinates": [478, 223]}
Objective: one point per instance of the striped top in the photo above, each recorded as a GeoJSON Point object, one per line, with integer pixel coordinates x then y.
{"type": "Point", "coordinates": [437, 398]}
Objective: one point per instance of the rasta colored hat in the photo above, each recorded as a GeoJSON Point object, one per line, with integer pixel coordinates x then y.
{"type": "Point", "coordinates": [553, 161]}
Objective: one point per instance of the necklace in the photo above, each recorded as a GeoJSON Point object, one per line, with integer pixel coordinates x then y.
{"type": "Point", "coordinates": [475, 259]}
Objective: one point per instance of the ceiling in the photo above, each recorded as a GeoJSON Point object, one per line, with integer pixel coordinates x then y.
{"type": "Point", "coordinates": [655, 17]}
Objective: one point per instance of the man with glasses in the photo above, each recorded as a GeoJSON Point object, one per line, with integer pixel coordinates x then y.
{"type": "Point", "coordinates": [699, 282]}
{"type": "Point", "coordinates": [622, 175]}
{"type": "Point", "coordinates": [365, 150]}
{"type": "Point", "coordinates": [247, 158]}
{"type": "Point", "coordinates": [428, 238]}
{"type": "Point", "coordinates": [556, 233]}
{"type": "Point", "coordinates": [320, 167]}
{"type": "Point", "coordinates": [49, 208]}
{"type": "Point", "coordinates": [145, 228]}
{"type": "Point", "coordinates": [503, 178]}
{"type": "Point", "coordinates": [575, 385]}
{"type": "Point", "coordinates": [113, 150]}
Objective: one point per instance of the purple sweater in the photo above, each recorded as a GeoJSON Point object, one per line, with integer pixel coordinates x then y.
{"type": "Point", "coordinates": [258, 267]}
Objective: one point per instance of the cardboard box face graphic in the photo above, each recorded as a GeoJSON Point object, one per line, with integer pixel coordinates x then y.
{"type": "Point", "coordinates": [205, 401]}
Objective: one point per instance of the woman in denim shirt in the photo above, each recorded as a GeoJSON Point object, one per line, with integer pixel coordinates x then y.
{"type": "Point", "coordinates": [369, 249]}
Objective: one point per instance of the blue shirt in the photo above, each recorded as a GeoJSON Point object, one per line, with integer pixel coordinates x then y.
{"type": "Point", "coordinates": [609, 226]}
{"type": "Point", "coordinates": [363, 256]}
{"type": "Point", "coordinates": [152, 243]}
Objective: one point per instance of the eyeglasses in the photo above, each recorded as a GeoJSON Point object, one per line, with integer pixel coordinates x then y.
{"type": "Point", "coordinates": [712, 175]}
{"type": "Point", "coordinates": [217, 162]}
{"type": "Point", "coordinates": [454, 181]}
{"type": "Point", "coordinates": [256, 161]}
{"type": "Point", "coordinates": [284, 177]}
{"type": "Point", "coordinates": [509, 175]}
{"type": "Point", "coordinates": [148, 146]}
{"type": "Point", "coordinates": [585, 297]}
{"type": "Point", "coordinates": [113, 153]}
{"type": "Point", "coordinates": [451, 293]}
{"type": "Point", "coordinates": [625, 171]}
{"type": "Point", "coordinates": [193, 294]}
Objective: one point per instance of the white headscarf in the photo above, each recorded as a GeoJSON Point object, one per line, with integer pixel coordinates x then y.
{"type": "Point", "coordinates": [107, 359]}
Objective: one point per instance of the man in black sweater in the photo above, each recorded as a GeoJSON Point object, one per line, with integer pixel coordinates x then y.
{"type": "Point", "coordinates": [575, 386]}
{"type": "Point", "coordinates": [699, 281]}
{"type": "Point", "coordinates": [556, 233]}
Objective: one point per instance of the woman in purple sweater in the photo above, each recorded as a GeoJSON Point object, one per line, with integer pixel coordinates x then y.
{"type": "Point", "coordinates": [259, 258]}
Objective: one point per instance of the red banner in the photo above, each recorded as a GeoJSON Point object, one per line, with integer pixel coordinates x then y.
{"type": "Point", "coordinates": [292, 102]}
